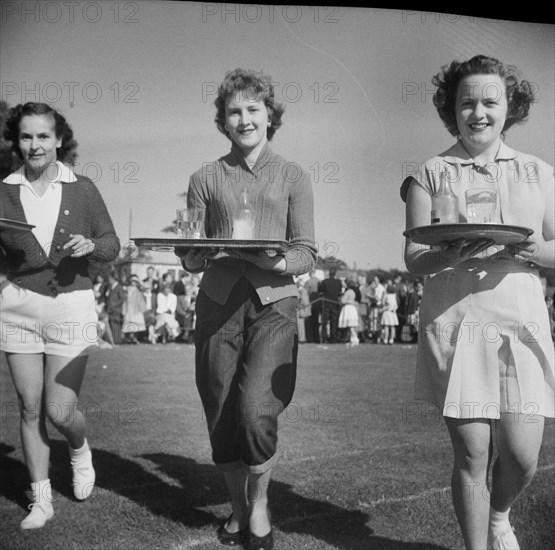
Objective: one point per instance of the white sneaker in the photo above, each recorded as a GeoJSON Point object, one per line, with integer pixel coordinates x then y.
{"type": "Point", "coordinates": [41, 512]}
{"type": "Point", "coordinates": [83, 476]}
{"type": "Point", "coordinates": [505, 540]}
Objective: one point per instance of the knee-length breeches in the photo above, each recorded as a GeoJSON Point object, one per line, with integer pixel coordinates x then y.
{"type": "Point", "coordinates": [246, 366]}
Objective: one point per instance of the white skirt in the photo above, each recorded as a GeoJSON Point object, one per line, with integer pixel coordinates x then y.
{"type": "Point", "coordinates": [484, 343]}
{"type": "Point", "coordinates": [390, 319]}
{"type": "Point", "coordinates": [348, 317]}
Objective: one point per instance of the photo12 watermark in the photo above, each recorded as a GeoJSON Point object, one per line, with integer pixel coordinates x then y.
{"type": "Point", "coordinates": [70, 93]}
{"type": "Point", "coordinates": [434, 17]}
{"type": "Point", "coordinates": [69, 12]}
{"type": "Point", "coordinates": [258, 13]}
{"type": "Point", "coordinates": [288, 92]}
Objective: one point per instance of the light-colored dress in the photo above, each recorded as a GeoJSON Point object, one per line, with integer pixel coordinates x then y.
{"type": "Point", "coordinates": [389, 313]}
{"type": "Point", "coordinates": [133, 310]}
{"type": "Point", "coordinates": [484, 342]}
{"type": "Point", "coordinates": [348, 317]}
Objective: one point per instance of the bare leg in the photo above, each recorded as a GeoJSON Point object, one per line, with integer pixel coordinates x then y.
{"type": "Point", "coordinates": [63, 378]}
{"type": "Point", "coordinates": [471, 440]}
{"type": "Point", "coordinates": [27, 372]}
{"type": "Point", "coordinates": [519, 438]}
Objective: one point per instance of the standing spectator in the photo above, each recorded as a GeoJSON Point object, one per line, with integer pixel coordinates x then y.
{"type": "Point", "coordinates": [246, 331]}
{"type": "Point", "coordinates": [150, 287]}
{"type": "Point", "coordinates": [105, 337]}
{"type": "Point", "coordinates": [414, 295]}
{"type": "Point", "coordinates": [150, 291]}
{"type": "Point", "coordinates": [115, 298]}
{"type": "Point", "coordinates": [303, 310]}
{"type": "Point", "coordinates": [99, 288]}
{"type": "Point", "coordinates": [348, 317]}
{"type": "Point", "coordinates": [313, 322]}
{"type": "Point", "coordinates": [182, 308]}
{"type": "Point", "coordinates": [375, 296]}
{"type": "Point", "coordinates": [133, 310]}
{"type": "Point", "coordinates": [485, 387]}
{"type": "Point", "coordinates": [401, 291]}
{"type": "Point", "coordinates": [191, 293]}
{"type": "Point", "coordinates": [389, 320]}
{"type": "Point", "coordinates": [331, 289]}
{"type": "Point", "coordinates": [48, 285]}
{"type": "Point", "coordinates": [150, 281]}
{"type": "Point", "coordinates": [168, 280]}
{"type": "Point", "coordinates": [364, 311]}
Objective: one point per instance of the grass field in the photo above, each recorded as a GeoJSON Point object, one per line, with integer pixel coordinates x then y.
{"type": "Point", "coordinates": [362, 465]}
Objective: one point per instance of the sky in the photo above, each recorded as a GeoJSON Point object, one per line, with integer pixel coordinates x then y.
{"type": "Point", "coordinates": [136, 80]}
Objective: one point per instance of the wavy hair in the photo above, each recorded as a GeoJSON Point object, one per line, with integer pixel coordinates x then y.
{"type": "Point", "coordinates": [259, 87]}
{"type": "Point", "coordinates": [65, 153]}
{"type": "Point", "coordinates": [520, 94]}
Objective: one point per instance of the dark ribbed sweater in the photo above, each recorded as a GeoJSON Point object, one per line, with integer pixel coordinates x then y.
{"type": "Point", "coordinates": [82, 212]}
{"type": "Point", "coordinates": [282, 198]}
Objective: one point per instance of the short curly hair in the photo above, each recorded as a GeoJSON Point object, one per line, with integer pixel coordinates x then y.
{"type": "Point", "coordinates": [262, 89]}
{"type": "Point", "coordinates": [65, 153]}
{"type": "Point", "coordinates": [519, 92]}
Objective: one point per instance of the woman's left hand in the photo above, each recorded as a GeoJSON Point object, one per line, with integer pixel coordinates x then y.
{"type": "Point", "coordinates": [527, 251]}
{"type": "Point", "coordinates": [80, 246]}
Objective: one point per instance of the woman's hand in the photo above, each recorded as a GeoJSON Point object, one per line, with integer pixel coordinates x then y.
{"type": "Point", "coordinates": [80, 246]}
{"type": "Point", "coordinates": [192, 259]}
{"type": "Point", "coordinates": [533, 250]}
{"type": "Point", "coordinates": [461, 250]}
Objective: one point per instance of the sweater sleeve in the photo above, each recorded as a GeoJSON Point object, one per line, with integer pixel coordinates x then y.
{"type": "Point", "coordinates": [101, 228]}
{"type": "Point", "coordinates": [301, 257]}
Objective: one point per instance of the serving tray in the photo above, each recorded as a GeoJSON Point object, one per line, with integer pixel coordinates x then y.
{"type": "Point", "coordinates": [500, 233]}
{"type": "Point", "coordinates": [5, 223]}
{"type": "Point", "coordinates": [220, 244]}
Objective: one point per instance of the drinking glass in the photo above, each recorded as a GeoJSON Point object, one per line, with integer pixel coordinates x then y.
{"type": "Point", "coordinates": [481, 205]}
{"type": "Point", "coordinates": [190, 223]}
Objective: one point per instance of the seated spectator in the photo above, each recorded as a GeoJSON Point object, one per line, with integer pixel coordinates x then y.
{"type": "Point", "coordinates": [133, 311]}
{"type": "Point", "coordinates": [166, 326]}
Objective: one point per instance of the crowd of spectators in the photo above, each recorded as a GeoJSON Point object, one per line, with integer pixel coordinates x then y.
{"type": "Point", "coordinates": [352, 310]}
{"type": "Point", "coordinates": [153, 310]}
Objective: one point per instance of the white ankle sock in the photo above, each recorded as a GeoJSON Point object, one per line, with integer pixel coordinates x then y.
{"type": "Point", "coordinates": [498, 521]}
{"type": "Point", "coordinates": [42, 491]}
{"type": "Point", "coordinates": [76, 454]}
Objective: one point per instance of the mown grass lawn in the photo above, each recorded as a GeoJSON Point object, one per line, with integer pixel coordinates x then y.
{"type": "Point", "coordinates": [362, 465]}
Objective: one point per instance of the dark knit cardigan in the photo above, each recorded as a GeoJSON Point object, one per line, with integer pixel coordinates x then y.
{"type": "Point", "coordinates": [82, 212]}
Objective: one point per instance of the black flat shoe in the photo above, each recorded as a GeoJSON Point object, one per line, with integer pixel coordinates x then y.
{"type": "Point", "coordinates": [231, 539]}
{"type": "Point", "coordinates": [260, 543]}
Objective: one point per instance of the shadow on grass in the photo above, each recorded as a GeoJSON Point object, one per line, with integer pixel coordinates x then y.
{"type": "Point", "coordinates": [13, 476]}
{"type": "Point", "coordinates": [189, 486]}
{"type": "Point", "coordinates": [292, 513]}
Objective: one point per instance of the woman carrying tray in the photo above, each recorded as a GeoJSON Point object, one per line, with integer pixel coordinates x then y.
{"type": "Point", "coordinates": [246, 329]}
{"type": "Point", "coordinates": [485, 356]}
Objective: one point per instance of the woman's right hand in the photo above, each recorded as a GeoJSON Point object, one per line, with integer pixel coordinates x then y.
{"type": "Point", "coordinates": [192, 259]}
{"type": "Point", "coordinates": [461, 250]}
